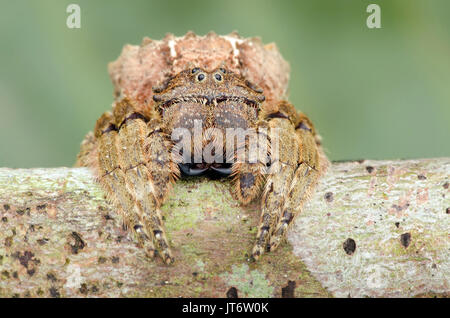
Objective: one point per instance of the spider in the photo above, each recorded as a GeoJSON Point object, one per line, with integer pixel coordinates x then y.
{"type": "Point", "coordinates": [138, 157]}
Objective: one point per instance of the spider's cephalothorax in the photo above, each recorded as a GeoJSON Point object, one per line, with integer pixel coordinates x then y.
{"type": "Point", "coordinates": [202, 108]}
{"type": "Point", "coordinates": [140, 152]}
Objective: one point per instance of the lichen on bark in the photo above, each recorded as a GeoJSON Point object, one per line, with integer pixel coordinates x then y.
{"type": "Point", "coordinates": [60, 238]}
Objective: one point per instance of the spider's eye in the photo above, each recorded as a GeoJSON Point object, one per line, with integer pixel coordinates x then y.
{"type": "Point", "coordinates": [218, 77]}
{"type": "Point", "coordinates": [195, 70]}
{"type": "Point", "coordinates": [200, 77]}
{"type": "Point", "coordinates": [224, 71]}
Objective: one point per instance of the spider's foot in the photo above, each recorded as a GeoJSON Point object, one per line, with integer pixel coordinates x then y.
{"type": "Point", "coordinates": [274, 243]}
{"type": "Point", "coordinates": [144, 241]}
{"type": "Point", "coordinates": [277, 237]}
{"type": "Point", "coordinates": [167, 257]}
{"type": "Point", "coordinates": [163, 247]}
{"type": "Point", "coordinates": [151, 252]}
{"type": "Point", "coordinates": [257, 251]}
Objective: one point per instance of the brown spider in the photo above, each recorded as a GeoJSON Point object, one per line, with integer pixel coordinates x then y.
{"type": "Point", "coordinates": [137, 158]}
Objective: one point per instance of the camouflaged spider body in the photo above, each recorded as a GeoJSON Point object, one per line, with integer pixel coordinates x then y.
{"type": "Point", "coordinates": [135, 164]}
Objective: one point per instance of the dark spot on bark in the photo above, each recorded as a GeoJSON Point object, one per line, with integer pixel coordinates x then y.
{"type": "Point", "coordinates": [397, 224]}
{"type": "Point", "coordinates": [447, 211]}
{"type": "Point", "coordinates": [115, 259]}
{"type": "Point", "coordinates": [51, 277]}
{"type": "Point", "coordinates": [421, 177]}
{"type": "Point", "coordinates": [288, 291]}
{"type": "Point", "coordinates": [370, 169]}
{"type": "Point", "coordinates": [94, 289]}
{"type": "Point", "coordinates": [31, 228]}
{"type": "Point", "coordinates": [108, 217]}
{"type": "Point", "coordinates": [433, 266]}
{"type": "Point", "coordinates": [329, 197]}
{"type": "Point", "coordinates": [42, 241]}
{"type": "Point", "coordinates": [405, 239]}
{"type": "Point", "coordinates": [194, 274]}
{"type": "Point", "coordinates": [232, 293]}
{"type": "Point", "coordinates": [15, 275]}
{"type": "Point", "coordinates": [4, 219]}
{"type": "Point", "coordinates": [41, 207]}
{"type": "Point", "coordinates": [39, 292]}
{"type": "Point", "coordinates": [247, 180]}
{"type": "Point", "coordinates": [15, 295]}
{"type": "Point", "coordinates": [6, 207]}
{"type": "Point", "coordinates": [101, 260]}
{"type": "Point", "coordinates": [5, 274]}
{"type": "Point", "coordinates": [361, 160]}
{"type": "Point", "coordinates": [446, 185]}
{"type": "Point", "coordinates": [78, 243]}
{"type": "Point", "coordinates": [20, 211]}
{"type": "Point", "coordinates": [349, 246]}
{"type": "Point", "coordinates": [83, 289]}
{"type": "Point", "coordinates": [54, 292]}
{"type": "Point", "coordinates": [24, 258]}
{"type": "Point", "coordinates": [31, 271]}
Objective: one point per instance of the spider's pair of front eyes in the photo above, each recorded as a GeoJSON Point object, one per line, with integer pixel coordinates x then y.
{"type": "Point", "coordinates": [201, 76]}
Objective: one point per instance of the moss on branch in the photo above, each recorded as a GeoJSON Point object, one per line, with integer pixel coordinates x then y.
{"type": "Point", "coordinates": [373, 228]}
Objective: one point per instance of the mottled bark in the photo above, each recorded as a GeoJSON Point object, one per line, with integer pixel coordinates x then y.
{"type": "Point", "coordinates": [373, 228]}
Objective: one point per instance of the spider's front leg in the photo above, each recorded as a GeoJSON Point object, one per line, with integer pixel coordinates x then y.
{"type": "Point", "coordinates": [249, 166]}
{"type": "Point", "coordinates": [292, 176]}
{"type": "Point", "coordinates": [136, 170]}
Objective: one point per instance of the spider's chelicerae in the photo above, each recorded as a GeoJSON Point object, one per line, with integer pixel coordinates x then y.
{"type": "Point", "coordinates": [139, 153]}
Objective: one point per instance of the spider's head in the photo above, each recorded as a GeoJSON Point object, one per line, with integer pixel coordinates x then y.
{"type": "Point", "coordinates": [197, 84]}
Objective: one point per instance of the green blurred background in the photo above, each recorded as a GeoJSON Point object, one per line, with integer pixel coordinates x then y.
{"type": "Point", "coordinates": [372, 93]}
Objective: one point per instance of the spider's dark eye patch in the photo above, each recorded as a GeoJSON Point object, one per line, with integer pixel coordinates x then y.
{"type": "Point", "coordinates": [195, 70]}
{"type": "Point", "coordinates": [218, 77]}
{"type": "Point", "coordinates": [200, 77]}
{"type": "Point", "coordinates": [224, 71]}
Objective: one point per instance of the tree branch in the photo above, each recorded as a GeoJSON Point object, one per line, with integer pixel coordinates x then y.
{"type": "Point", "coordinates": [373, 228]}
